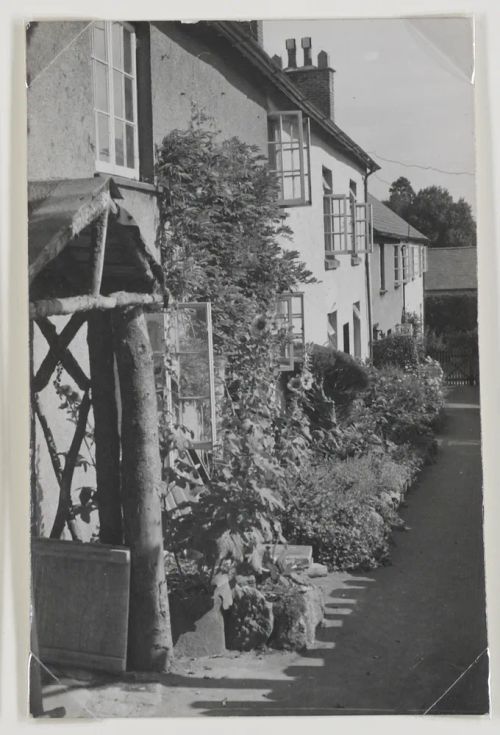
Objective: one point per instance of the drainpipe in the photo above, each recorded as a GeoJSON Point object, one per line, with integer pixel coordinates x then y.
{"type": "Point", "coordinates": [368, 275]}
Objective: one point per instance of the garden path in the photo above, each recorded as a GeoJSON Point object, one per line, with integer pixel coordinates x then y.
{"type": "Point", "coordinates": [396, 639]}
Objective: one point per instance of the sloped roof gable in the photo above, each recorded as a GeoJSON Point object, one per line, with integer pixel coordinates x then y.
{"type": "Point", "coordinates": [389, 224]}
{"type": "Point", "coordinates": [451, 269]}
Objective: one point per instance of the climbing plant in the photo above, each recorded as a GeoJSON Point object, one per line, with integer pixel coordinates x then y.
{"type": "Point", "coordinates": [221, 235]}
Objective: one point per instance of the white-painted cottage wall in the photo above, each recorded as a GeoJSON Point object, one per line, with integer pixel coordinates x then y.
{"type": "Point", "coordinates": [336, 290]}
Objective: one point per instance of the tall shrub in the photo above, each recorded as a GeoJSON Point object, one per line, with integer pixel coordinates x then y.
{"type": "Point", "coordinates": [220, 234]}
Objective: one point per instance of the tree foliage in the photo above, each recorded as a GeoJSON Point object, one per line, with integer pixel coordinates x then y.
{"type": "Point", "coordinates": [434, 213]}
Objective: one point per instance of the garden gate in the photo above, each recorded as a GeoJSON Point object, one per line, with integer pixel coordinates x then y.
{"type": "Point", "coordinates": [460, 366]}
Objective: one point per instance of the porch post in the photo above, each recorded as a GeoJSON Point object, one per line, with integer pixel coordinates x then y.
{"type": "Point", "coordinates": [150, 640]}
{"type": "Point", "coordinates": [107, 440]}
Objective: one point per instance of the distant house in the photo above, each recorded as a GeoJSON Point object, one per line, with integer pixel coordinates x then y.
{"type": "Point", "coordinates": [451, 271]}
{"type": "Point", "coordinates": [398, 263]}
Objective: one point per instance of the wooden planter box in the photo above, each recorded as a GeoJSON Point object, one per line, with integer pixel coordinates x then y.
{"type": "Point", "coordinates": [81, 603]}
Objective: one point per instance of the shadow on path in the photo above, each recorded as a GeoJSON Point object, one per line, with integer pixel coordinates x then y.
{"type": "Point", "coordinates": [406, 638]}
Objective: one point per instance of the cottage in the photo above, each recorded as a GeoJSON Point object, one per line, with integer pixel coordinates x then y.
{"type": "Point", "coordinates": [399, 261]}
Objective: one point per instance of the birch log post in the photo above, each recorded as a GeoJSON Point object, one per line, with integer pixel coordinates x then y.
{"type": "Point", "coordinates": [106, 435]}
{"type": "Point", "coordinates": [150, 640]}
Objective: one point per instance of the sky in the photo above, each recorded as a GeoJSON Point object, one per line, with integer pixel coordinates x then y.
{"type": "Point", "coordinates": [403, 91]}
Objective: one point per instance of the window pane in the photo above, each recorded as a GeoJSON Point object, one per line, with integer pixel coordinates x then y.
{"type": "Point", "coordinates": [101, 86]}
{"type": "Point", "coordinates": [118, 93]}
{"type": "Point", "coordinates": [117, 45]}
{"type": "Point", "coordinates": [297, 304]}
{"type": "Point", "coordinates": [129, 131]}
{"type": "Point", "coordinates": [283, 307]}
{"type": "Point", "coordinates": [99, 40]}
{"type": "Point", "coordinates": [274, 130]}
{"type": "Point", "coordinates": [290, 128]}
{"type": "Point", "coordinates": [103, 137]}
{"type": "Point", "coordinates": [195, 415]}
{"type": "Point", "coordinates": [191, 326]}
{"type": "Point", "coordinates": [288, 189]}
{"type": "Point", "coordinates": [194, 375]}
{"type": "Point", "coordinates": [127, 50]}
{"type": "Point", "coordinates": [129, 99]}
{"type": "Point", "coordinates": [119, 144]}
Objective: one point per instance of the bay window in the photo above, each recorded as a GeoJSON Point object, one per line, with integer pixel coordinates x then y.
{"type": "Point", "coordinates": [115, 98]}
{"type": "Point", "coordinates": [288, 150]}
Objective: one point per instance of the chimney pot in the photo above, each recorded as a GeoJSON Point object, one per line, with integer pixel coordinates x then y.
{"type": "Point", "coordinates": [292, 53]}
{"type": "Point", "coordinates": [278, 61]}
{"type": "Point", "coordinates": [323, 60]}
{"type": "Point", "coordinates": [306, 45]}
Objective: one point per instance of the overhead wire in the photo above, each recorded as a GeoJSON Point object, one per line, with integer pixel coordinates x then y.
{"type": "Point", "coordinates": [418, 165]}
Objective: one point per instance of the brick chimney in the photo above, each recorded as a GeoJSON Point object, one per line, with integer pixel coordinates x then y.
{"type": "Point", "coordinates": [254, 28]}
{"type": "Point", "coordinates": [315, 82]}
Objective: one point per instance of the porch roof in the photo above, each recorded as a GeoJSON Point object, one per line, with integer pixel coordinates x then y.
{"type": "Point", "coordinates": [60, 217]}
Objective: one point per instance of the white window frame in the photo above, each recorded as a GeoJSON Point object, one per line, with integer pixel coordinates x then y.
{"type": "Point", "coordinates": [397, 265]}
{"type": "Point", "coordinates": [336, 220]}
{"type": "Point", "coordinates": [424, 258]}
{"type": "Point", "coordinates": [302, 146]}
{"type": "Point", "coordinates": [111, 166]}
{"type": "Point", "coordinates": [163, 354]}
{"type": "Point", "coordinates": [362, 228]}
{"type": "Point", "coordinates": [405, 263]}
{"type": "Point", "coordinates": [290, 357]}
{"type": "Point", "coordinates": [415, 261]}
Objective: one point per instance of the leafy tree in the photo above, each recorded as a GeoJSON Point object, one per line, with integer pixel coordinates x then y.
{"type": "Point", "coordinates": [401, 196]}
{"type": "Point", "coordinates": [434, 213]}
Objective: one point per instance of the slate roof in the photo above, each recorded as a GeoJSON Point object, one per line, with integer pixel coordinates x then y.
{"type": "Point", "coordinates": [387, 223]}
{"type": "Point", "coordinates": [451, 269]}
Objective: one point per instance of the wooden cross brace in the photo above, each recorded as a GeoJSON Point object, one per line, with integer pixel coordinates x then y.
{"type": "Point", "coordinates": [58, 352]}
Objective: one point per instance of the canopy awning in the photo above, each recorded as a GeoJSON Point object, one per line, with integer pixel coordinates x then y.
{"type": "Point", "coordinates": [62, 215]}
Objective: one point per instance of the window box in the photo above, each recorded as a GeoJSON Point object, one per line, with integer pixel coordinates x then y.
{"type": "Point", "coordinates": [288, 150]}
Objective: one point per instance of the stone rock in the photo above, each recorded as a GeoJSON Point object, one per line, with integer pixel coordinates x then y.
{"type": "Point", "coordinates": [317, 570]}
{"type": "Point", "coordinates": [250, 620]}
{"type": "Point", "coordinates": [297, 614]}
{"type": "Point", "coordinates": [197, 625]}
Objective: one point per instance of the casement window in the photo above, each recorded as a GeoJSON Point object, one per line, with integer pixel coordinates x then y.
{"type": "Point", "coordinates": [347, 225]}
{"type": "Point", "coordinates": [186, 391]}
{"type": "Point", "coordinates": [290, 321]}
{"type": "Point", "coordinates": [397, 266]}
{"type": "Point", "coordinates": [416, 258]}
{"type": "Point", "coordinates": [347, 341]}
{"type": "Point", "coordinates": [382, 267]}
{"type": "Point", "coordinates": [404, 258]}
{"type": "Point", "coordinates": [115, 98]}
{"type": "Point", "coordinates": [424, 258]}
{"type": "Point", "coordinates": [333, 329]}
{"type": "Point", "coordinates": [363, 228]}
{"type": "Point", "coordinates": [288, 147]}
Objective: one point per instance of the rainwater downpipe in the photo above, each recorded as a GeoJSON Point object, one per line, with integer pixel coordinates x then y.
{"type": "Point", "coordinates": [368, 275]}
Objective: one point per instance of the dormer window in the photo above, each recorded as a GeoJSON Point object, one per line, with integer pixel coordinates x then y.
{"type": "Point", "coordinates": [115, 98]}
{"type": "Point", "coordinates": [288, 148]}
